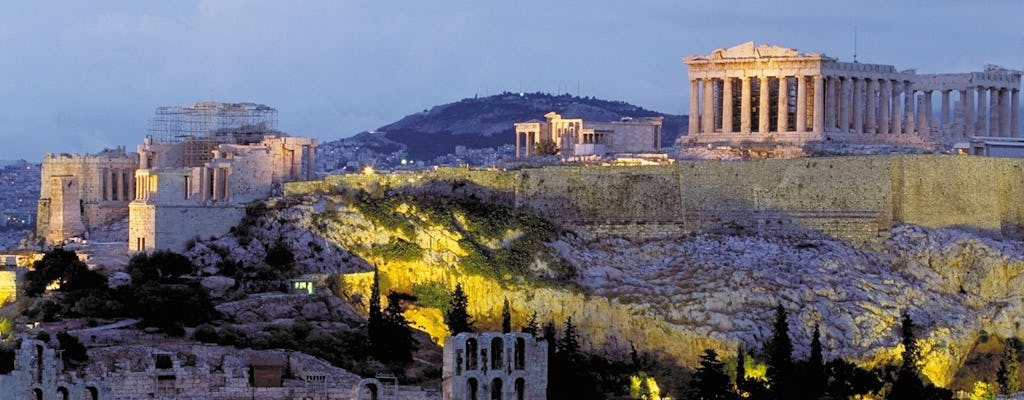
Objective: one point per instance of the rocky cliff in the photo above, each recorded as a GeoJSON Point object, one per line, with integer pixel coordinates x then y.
{"type": "Point", "coordinates": [675, 295]}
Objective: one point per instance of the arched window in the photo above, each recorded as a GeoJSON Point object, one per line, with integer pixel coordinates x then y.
{"type": "Point", "coordinates": [496, 389]}
{"type": "Point", "coordinates": [93, 393]}
{"type": "Point", "coordinates": [38, 393]}
{"type": "Point", "coordinates": [63, 392]}
{"type": "Point", "coordinates": [520, 389]}
{"type": "Point", "coordinates": [471, 354]}
{"type": "Point", "coordinates": [496, 352]}
{"type": "Point", "coordinates": [371, 391]}
{"type": "Point", "coordinates": [39, 366]}
{"type": "Point", "coordinates": [471, 388]}
{"type": "Point", "coordinates": [520, 353]}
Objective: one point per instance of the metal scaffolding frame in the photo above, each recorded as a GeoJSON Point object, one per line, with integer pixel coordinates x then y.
{"type": "Point", "coordinates": [220, 122]}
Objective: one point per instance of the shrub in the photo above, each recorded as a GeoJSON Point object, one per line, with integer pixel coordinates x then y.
{"type": "Point", "coordinates": [433, 294]}
{"type": "Point", "coordinates": [398, 250]}
{"type": "Point", "coordinates": [206, 333]}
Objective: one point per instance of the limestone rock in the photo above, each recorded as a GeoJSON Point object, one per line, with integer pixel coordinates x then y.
{"type": "Point", "coordinates": [119, 279]}
{"type": "Point", "coordinates": [217, 285]}
{"type": "Point", "coordinates": [314, 311]}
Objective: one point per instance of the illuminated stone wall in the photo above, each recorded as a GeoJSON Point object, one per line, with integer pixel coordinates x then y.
{"type": "Point", "coordinates": [78, 192]}
{"type": "Point", "coordinates": [853, 198]}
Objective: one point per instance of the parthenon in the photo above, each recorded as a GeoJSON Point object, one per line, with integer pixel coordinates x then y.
{"type": "Point", "coordinates": [767, 93]}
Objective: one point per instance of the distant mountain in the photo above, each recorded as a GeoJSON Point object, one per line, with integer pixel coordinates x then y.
{"type": "Point", "coordinates": [487, 122]}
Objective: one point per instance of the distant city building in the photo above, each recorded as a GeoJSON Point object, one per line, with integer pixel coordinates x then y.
{"type": "Point", "coordinates": [764, 93]}
{"type": "Point", "coordinates": [568, 137]}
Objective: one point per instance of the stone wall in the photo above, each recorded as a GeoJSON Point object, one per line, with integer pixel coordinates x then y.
{"type": "Point", "coordinates": [852, 198]}
{"type": "Point", "coordinates": [78, 192]}
{"type": "Point", "coordinates": [495, 365]}
{"type": "Point", "coordinates": [170, 227]}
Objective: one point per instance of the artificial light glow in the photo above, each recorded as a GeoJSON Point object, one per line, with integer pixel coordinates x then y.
{"type": "Point", "coordinates": [368, 170]}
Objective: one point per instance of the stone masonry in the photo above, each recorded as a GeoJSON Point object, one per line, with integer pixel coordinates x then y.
{"type": "Point", "coordinates": [79, 192]}
{"type": "Point", "coordinates": [576, 137]}
{"type": "Point", "coordinates": [497, 366]}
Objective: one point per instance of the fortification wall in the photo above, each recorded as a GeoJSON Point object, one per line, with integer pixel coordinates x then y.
{"type": "Point", "coordinates": [852, 198]}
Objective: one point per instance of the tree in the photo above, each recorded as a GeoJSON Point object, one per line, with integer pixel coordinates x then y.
{"type": "Point", "coordinates": [531, 326]}
{"type": "Point", "coordinates": [395, 333]}
{"type": "Point", "coordinates": [64, 267]}
{"type": "Point", "coordinates": [506, 318]}
{"type": "Point", "coordinates": [846, 380]}
{"type": "Point", "coordinates": [780, 356]}
{"type": "Point", "coordinates": [546, 147]}
{"type": "Point", "coordinates": [741, 370]}
{"type": "Point", "coordinates": [909, 383]}
{"type": "Point", "coordinates": [1008, 375]}
{"type": "Point", "coordinates": [457, 318]}
{"type": "Point", "coordinates": [74, 352]}
{"type": "Point", "coordinates": [814, 369]}
{"type": "Point", "coordinates": [160, 265]}
{"type": "Point", "coordinates": [569, 346]}
{"type": "Point", "coordinates": [375, 320]}
{"type": "Point", "coordinates": [710, 382]}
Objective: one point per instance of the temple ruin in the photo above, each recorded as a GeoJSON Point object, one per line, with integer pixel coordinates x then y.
{"type": "Point", "coordinates": [766, 93]}
{"type": "Point", "coordinates": [574, 137]}
{"type": "Point", "coordinates": [78, 192]}
{"type": "Point", "coordinates": [200, 166]}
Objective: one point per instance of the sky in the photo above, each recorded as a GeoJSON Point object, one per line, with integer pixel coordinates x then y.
{"type": "Point", "coordinates": [81, 76]}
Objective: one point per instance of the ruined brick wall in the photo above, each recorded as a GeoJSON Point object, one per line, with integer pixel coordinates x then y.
{"type": "Point", "coordinates": [852, 198]}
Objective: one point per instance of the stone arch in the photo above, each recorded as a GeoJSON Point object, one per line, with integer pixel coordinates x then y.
{"type": "Point", "coordinates": [471, 354]}
{"type": "Point", "coordinates": [472, 387]}
{"type": "Point", "coordinates": [496, 389]}
{"type": "Point", "coordinates": [520, 389]}
{"type": "Point", "coordinates": [497, 350]}
{"type": "Point", "coordinates": [62, 392]}
{"type": "Point", "coordinates": [369, 389]}
{"type": "Point", "coordinates": [37, 394]}
{"type": "Point", "coordinates": [520, 353]}
{"type": "Point", "coordinates": [94, 394]}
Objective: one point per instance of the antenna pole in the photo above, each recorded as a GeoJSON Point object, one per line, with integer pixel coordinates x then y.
{"type": "Point", "coordinates": [855, 43]}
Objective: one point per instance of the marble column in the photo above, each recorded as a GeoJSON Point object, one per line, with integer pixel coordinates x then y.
{"type": "Point", "coordinates": [871, 116]}
{"type": "Point", "coordinates": [818, 115]}
{"type": "Point", "coordinates": [993, 112]}
{"type": "Point", "coordinates": [970, 119]}
{"type": "Point", "coordinates": [107, 185]}
{"type": "Point", "coordinates": [519, 145]}
{"type": "Point", "coordinates": [846, 96]}
{"type": "Point", "coordinates": [982, 119]}
{"type": "Point", "coordinates": [727, 105]}
{"type": "Point", "coordinates": [830, 104]}
{"type": "Point", "coordinates": [745, 104]}
{"type": "Point", "coordinates": [1015, 113]}
{"type": "Point", "coordinates": [858, 105]}
{"type": "Point", "coordinates": [929, 114]}
{"type": "Point", "coordinates": [694, 118]}
{"type": "Point", "coordinates": [122, 185]}
{"type": "Point", "coordinates": [922, 116]}
{"type": "Point", "coordinates": [908, 126]}
{"type": "Point", "coordinates": [801, 104]}
{"type": "Point", "coordinates": [707, 116]}
{"type": "Point", "coordinates": [885, 106]}
{"type": "Point", "coordinates": [1005, 113]}
{"type": "Point", "coordinates": [897, 108]}
{"type": "Point", "coordinates": [783, 106]}
{"type": "Point", "coordinates": [131, 181]}
{"type": "Point", "coordinates": [764, 106]}
{"type": "Point", "coordinates": [944, 118]}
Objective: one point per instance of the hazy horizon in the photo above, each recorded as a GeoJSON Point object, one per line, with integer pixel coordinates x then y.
{"type": "Point", "coordinates": [86, 76]}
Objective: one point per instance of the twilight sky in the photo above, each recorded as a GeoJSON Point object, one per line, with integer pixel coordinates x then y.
{"type": "Point", "coordinates": [78, 76]}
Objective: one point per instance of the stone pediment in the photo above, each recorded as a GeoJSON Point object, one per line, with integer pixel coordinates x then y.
{"type": "Point", "coordinates": [750, 50]}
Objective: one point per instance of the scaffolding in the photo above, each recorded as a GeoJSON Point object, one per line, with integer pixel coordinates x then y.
{"type": "Point", "coordinates": [240, 123]}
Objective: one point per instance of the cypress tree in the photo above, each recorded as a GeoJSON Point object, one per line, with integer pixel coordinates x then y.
{"type": "Point", "coordinates": [710, 380]}
{"type": "Point", "coordinates": [741, 370]}
{"type": "Point", "coordinates": [814, 372]}
{"type": "Point", "coordinates": [376, 319]}
{"type": "Point", "coordinates": [396, 332]}
{"type": "Point", "coordinates": [531, 326]}
{"type": "Point", "coordinates": [780, 356]}
{"type": "Point", "coordinates": [457, 318]}
{"type": "Point", "coordinates": [908, 384]}
{"type": "Point", "coordinates": [1008, 375]}
{"type": "Point", "coordinates": [506, 318]}
{"type": "Point", "coordinates": [570, 343]}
